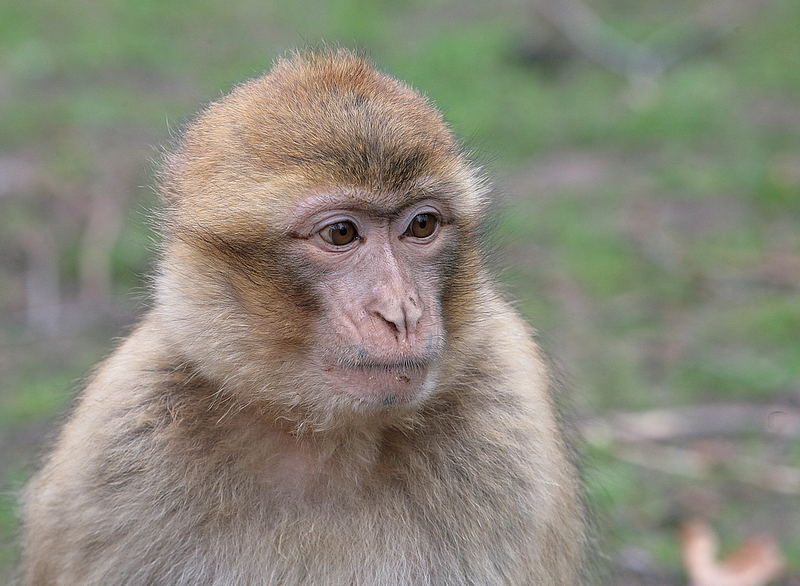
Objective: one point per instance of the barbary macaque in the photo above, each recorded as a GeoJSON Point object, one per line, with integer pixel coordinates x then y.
{"type": "Point", "coordinates": [329, 387]}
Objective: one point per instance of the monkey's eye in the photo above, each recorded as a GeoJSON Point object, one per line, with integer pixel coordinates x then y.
{"type": "Point", "coordinates": [339, 234]}
{"type": "Point", "coordinates": [422, 226]}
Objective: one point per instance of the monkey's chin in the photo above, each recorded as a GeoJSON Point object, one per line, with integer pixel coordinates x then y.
{"type": "Point", "coordinates": [383, 386]}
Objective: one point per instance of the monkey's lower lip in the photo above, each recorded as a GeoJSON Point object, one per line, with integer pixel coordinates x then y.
{"type": "Point", "coordinates": [382, 383]}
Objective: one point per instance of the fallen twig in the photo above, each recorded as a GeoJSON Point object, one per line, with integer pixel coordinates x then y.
{"type": "Point", "coordinates": [695, 421]}
{"type": "Point", "coordinates": [635, 437]}
{"type": "Point", "coordinates": [692, 464]}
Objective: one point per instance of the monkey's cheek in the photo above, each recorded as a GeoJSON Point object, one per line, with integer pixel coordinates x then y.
{"type": "Point", "coordinates": [381, 387]}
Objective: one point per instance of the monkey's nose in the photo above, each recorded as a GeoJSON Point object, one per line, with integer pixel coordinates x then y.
{"type": "Point", "coordinates": [401, 316]}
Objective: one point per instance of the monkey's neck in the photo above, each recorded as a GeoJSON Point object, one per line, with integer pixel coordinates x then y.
{"type": "Point", "coordinates": [288, 445]}
{"type": "Point", "coordinates": [302, 447]}
{"type": "Point", "coordinates": [313, 464]}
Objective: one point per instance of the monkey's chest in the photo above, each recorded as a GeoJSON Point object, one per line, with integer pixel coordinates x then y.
{"type": "Point", "coordinates": [383, 535]}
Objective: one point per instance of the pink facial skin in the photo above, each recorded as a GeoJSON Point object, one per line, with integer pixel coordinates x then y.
{"type": "Point", "coordinates": [382, 330]}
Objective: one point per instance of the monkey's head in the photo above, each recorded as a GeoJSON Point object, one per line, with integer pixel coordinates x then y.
{"type": "Point", "coordinates": [320, 241]}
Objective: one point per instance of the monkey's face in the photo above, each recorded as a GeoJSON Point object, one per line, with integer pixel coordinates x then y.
{"type": "Point", "coordinates": [377, 274]}
{"type": "Point", "coordinates": [334, 300]}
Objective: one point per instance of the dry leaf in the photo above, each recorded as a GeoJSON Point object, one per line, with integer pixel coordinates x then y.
{"type": "Point", "coordinates": [755, 563]}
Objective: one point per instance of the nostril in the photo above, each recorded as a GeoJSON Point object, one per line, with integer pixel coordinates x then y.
{"type": "Point", "coordinates": [391, 323]}
{"type": "Point", "coordinates": [394, 327]}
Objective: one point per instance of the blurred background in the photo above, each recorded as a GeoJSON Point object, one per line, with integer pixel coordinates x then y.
{"type": "Point", "coordinates": [647, 157]}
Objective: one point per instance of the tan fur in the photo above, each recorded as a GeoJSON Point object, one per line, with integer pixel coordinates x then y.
{"type": "Point", "coordinates": [204, 452]}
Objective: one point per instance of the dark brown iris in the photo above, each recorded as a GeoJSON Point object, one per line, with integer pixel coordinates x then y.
{"type": "Point", "coordinates": [422, 226]}
{"type": "Point", "coordinates": [340, 233]}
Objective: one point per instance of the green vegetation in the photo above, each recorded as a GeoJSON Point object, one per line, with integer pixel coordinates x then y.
{"type": "Point", "coordinates": [652, 234]}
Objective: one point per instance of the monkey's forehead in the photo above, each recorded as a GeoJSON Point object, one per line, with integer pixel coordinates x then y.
{"type": "Point", "coordinates": [319, 121]}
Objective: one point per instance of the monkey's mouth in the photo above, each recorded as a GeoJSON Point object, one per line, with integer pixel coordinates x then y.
{"type": "Point", "coordinates": [383, 383]}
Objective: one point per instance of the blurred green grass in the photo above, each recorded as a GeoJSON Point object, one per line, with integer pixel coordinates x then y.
{"type": "Point", "coordinates": [652, 239]}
